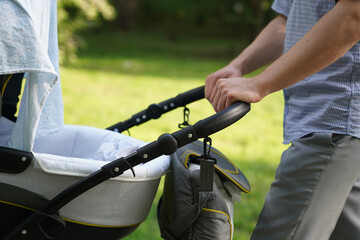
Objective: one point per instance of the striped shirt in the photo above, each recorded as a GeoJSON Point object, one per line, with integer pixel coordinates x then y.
{"type": "Point", "coordinates": [328, 101]}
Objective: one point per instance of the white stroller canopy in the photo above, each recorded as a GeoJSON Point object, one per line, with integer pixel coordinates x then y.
{"type": "Point", "coordinates": [28, 44]}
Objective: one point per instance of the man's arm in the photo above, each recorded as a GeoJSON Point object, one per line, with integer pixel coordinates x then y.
{"type": "Point", "coordinates": [267, 47]}
{"type": "Point", "coordinates": [328, 40]}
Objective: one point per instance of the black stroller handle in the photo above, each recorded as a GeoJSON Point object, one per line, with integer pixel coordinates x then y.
{"type": "Point", "coordinates": [221, 120]}
{"type": "Point", "coordinates": [203, 128]}
{"type": "Point", "coordinates": [190, 96]}
{"type": "Point", "coordinates": [154, 111]}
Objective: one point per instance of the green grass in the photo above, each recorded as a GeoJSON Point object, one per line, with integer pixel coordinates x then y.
{"type": "Point", "coordinates": [119, 74]}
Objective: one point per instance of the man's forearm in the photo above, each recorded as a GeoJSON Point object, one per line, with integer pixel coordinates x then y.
{"type": "Point", "coordinates": [327, 41]}
{"type": "Point", "coordinates": [266, 48]}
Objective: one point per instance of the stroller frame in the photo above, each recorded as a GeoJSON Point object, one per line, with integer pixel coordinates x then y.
{"type": "Point", "coordinates": [47, 224]}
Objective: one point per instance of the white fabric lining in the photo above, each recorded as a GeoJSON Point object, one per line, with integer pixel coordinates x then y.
{"type": "Point", "coordinates": [82, 167]}
{"type": "Point", "coordinates": [82, 150]}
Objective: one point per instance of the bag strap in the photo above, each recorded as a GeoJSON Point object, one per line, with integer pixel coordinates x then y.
{"type": "Point", "coordinates": [182, 222]}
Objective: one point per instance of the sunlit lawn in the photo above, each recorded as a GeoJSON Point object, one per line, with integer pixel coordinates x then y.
{"type": "Point", "coordinates": [120, 74]}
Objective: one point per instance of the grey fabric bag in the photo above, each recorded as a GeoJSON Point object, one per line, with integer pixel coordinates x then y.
{"type": "Point", "coordinates": [198, 202]}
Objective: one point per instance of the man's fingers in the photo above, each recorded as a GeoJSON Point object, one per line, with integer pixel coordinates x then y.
{"type": "Point", "coordinates": [216, 85]}
{"type": "Point", "coordinates": [214, 96]}
{"type": "Point", "coordinates": [209, 85]}
{"type": "Point", "coordinates": [220, 95]}
{"type": "Point", "coordinates": [212, 79]}
{"type": "Point", "coordinates": [221, 103]}
{"type": "Point", "coordinates": [229, 101]}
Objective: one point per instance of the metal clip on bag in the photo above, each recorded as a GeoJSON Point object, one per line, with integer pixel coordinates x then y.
{"type": "Point", "coordinates": [198, 202]}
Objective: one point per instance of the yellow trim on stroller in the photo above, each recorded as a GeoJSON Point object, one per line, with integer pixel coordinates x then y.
{"type": "Point", "coordinates": [6, 82]}
{"type": "Point", "coordinates": [102, 226]}
{"type": "Point", "coordinates": [17, 205]}
{"type": "Point", "coordinates": [69, 220]}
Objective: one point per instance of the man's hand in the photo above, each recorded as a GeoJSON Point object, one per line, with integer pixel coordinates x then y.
{"type": "Point", "coordinates": [226, 91]}
{"type": "Point", "coordinates": [266, 48]}
{"type": "Point", "coordinates": [225, 72]}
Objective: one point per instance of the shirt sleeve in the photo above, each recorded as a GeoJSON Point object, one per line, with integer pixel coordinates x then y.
{"type": "Point", "coordinates": [282, 7]}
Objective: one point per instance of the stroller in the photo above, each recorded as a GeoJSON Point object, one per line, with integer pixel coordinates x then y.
{"type": "Point", "coordinates": [48, 196]}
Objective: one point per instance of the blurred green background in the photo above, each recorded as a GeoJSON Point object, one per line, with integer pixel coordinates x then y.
{"type": "Point", "coordinates": [118, 57]}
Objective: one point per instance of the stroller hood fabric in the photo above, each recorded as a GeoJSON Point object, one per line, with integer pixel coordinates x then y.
{"type": "Point", "coordinates": [64, 154]}
{"type": "Point", "coordinates": [28, 44]}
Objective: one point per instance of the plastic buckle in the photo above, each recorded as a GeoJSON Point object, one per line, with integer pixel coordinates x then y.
{"type": "Point", "coordinates": [186, 118]}
{"type": "Point", "coordinates": [206, 155]}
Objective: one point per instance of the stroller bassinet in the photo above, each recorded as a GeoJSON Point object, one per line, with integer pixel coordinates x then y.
{"type": "Point", "coordinates": [47, 194]}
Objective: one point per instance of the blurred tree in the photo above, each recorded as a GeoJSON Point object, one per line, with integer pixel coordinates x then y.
{"type": "Point", "coordinates": [126, 13]}
{"type": "Point", "coordinates": [259, 13]}
{"type": "Point", "coordinates": [229, 18]}
{"type": "Point", "coordinates": [242, 19]}
{"type": "Point", "coordinates": [79, 15]}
